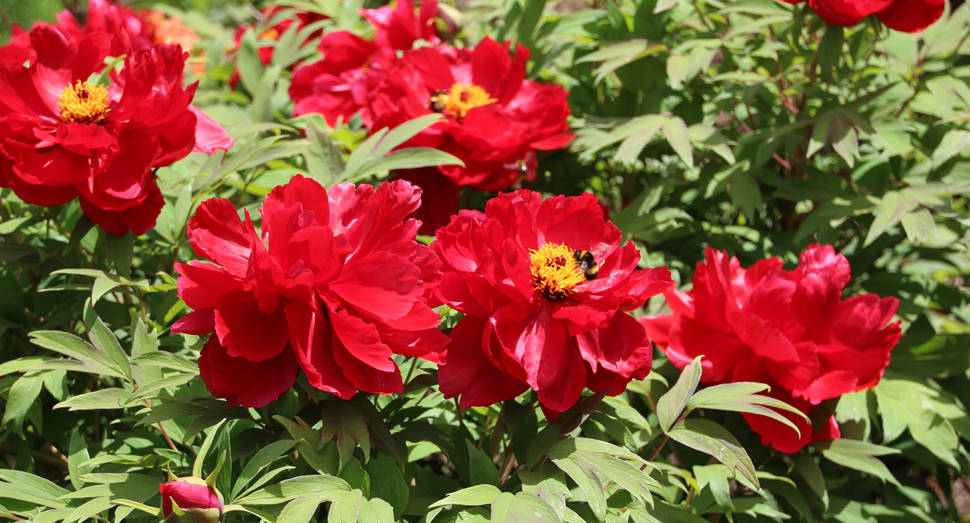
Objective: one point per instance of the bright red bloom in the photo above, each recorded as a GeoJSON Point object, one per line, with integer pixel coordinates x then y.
{"type": "Point", "coordinates": [352, 67]}
{"type": "Point", "coordinates": [532, 319]}
{"type": "Point", "coordinates": [62, 137]}
{"type": "Point", "coordinates": [397, 27]}
{"type": "Point", "coordinates": [790, 329]}
{"type": "Point", "coordinates": [910, 16]}
{"type": "Point", "coordinates": [128, 30]}
{"type": "Point", "coordinates": [336, 286]}
{"type": "Point", "coordinates": [495, 119]}
{"type": "Point", "coordinates": [199, 502]}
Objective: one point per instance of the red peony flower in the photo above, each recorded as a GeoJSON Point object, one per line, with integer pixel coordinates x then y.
{"type": "Point", "coordinates": [62, 136]}
{"type": "Point", "coordinates": [790, 329]}
{"type": "Point", "coordinates": [336, 286]}
{"type": "Point", "coordinates": [910, 16]}
{"type": "Point", "coordinates": [198, 502]}
{"type": "Point", "coordinates": [128, 30]}
{"type": "Point", "coordinates": [352, 67]}
{"type": "Point", "coordinates": [495, 118]}
{"type": "Point", "coordinates": [532, 318]}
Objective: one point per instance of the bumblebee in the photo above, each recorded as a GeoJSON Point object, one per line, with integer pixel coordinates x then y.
{"type": "Point", "coordinates": [587, 264]}
{"type": "Point", "coordinates": [521, 168]}
{"type": "Point", "coordinates": [438, 101]}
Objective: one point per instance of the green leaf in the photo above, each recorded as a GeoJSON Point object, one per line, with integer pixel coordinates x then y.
{"type": "Point", "coordinates": [672, 404]}
{"type": "Point", "coordinates": [858, 455]}
{"type": "Point", "coordinates": [341, 419]}
{"type": "Point", "coordinates": [204, 450]}
{"type": "Point", "coordinates": [21, 364]}
{"type": "Point", "coordinates": [521, 508]}
{"type": "Point", "coordinates": [482, 470]}
{"type": "Point", "coordinates": [77, 454]}
{"type": "Point", "coordinates": [890, 211]}
{"type": "Point", "coordinates": [714, 440]}
{"type": "Point", "coordinates": [294, 488]}
{"type": "Point", "coordinates": [300, 510]}
{"type": "Point", "coordinates": [388, 483]}
{"type": "Point", "coordinates": [103, 339]}
{"type": "Point", "coordinates": [262, 459]}
{"type": "Point", "coordinates": [717, 477]}
{"type": "Point", "coordinates": [741, 397]}
{"type": "Point", "coordinates": [675, 131]}
{"type": "Point", "coordinates": [806, 466]}
{"type": "Point", "coordinates": [346, 507]}
{"type": "Point", "coordinates": [469, 497]}
{"type": "Point", "coordinates": [120, 252]}
{"type": "Point", "coordinates": [89, 358]}
{"type": "Point", "coordinates": [166, 360]}
{"type": "Point", "coordinates": [21, 398]}
{"type": "Point", "coordinates": [248, 62]}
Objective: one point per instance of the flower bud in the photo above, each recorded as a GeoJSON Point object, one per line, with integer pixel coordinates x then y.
{"type": "Point", "coordinates": [190, 500]}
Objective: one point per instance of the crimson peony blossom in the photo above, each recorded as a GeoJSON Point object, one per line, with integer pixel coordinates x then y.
{"type": "Point", "coordinates": [495, 119]}
{"type": "Point", "coordinates": [789, 329]}
{"type": "Point", "coordinates": [335, 285]}
{"type": "Point", "coordinates": [910, 16]}
{"type": "Point", "coordinates": [339, 85]}
{"type": "Point", "coordinates": [63, 137]}
{"type": "Point", "coordinates": [532, 318]}
{"type": "Point", "coordinates": [129, 31]}
{"type": "Point", "coordinates": [198, 502]}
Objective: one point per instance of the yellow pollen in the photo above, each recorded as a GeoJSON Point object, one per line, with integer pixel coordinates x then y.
{"type": "Point", "coordinates": [462, 98]}
{"type": "Point", "coordinates": [270, 34]}
{"type": "Point", "coordinates": [83, 103]}
{"type": "Point", "coordinates": [554, 271]}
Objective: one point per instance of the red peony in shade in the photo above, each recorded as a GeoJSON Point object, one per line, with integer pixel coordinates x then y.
{"type": "Point", "coordinates": [909, 16]}
{"type": "Point", "coordinates": [532, 319]}
{"type": "Point", "coordinates": [62, 136]}
{"type": "Point", "coordinates": [790, 329]}
{"type": "Point", "coordinates": [336, 285]}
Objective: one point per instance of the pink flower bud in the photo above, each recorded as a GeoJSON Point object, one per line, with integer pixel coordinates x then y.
{"type": "Point", "coordinates": [197, 502]}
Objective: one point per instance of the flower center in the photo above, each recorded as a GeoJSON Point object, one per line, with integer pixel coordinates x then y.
{"type": "Point", "coordinates": [462, 98]}
{"type": "Point", "coordinates": [555, 271]}
{"type": "Point", "coordinates": [83, 102]}
{"type": "Point", "coordinates": [270, 34]}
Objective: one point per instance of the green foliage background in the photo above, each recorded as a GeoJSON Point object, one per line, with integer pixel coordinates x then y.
{"type": "Point", "coordinates": [749, 126]}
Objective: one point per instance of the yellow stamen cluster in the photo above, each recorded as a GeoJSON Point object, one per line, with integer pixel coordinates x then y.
{"type": "Point", "coordinates": [270, 34]}
{"type": "Point", "coordinates": [83, 102]}
{"type": "Point", "coordinates": [554, 271]}
{"type": "Point", "coordinates": [462, 98]}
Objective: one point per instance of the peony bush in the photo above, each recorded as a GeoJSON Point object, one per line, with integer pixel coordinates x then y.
{"type": "Point", "coordinates": [534, 260]}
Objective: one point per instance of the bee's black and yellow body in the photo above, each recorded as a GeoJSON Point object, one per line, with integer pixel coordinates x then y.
{"type": "Point", "coordinates": [437, 102]}
{"type": "Point", "coordinates": [587, 264]}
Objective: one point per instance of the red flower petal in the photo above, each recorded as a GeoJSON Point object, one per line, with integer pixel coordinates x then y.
{"type": "Point", "coordinates": [554, 369]}
{"type": "Point", "coordinates": [137, 219]}
{"type": "Point", "coordinates": [311, 338]}
{"type": "Point", "coordinates": [201, 284]}
{"type": "Point", "coordinates": [469, 373]}
{"type": "Point", "coordinates": [209, 135]}
{"type": "Point", "coordinates": [217, 233]}
{"type": "Point", "coordinates": [847, 12]}
{"type": "Point", "coordinates": [246, 331]}
{"type": "Point", "coordinates": [244, 382]}
{"type": "Point", "coordinates": [912, 16]}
